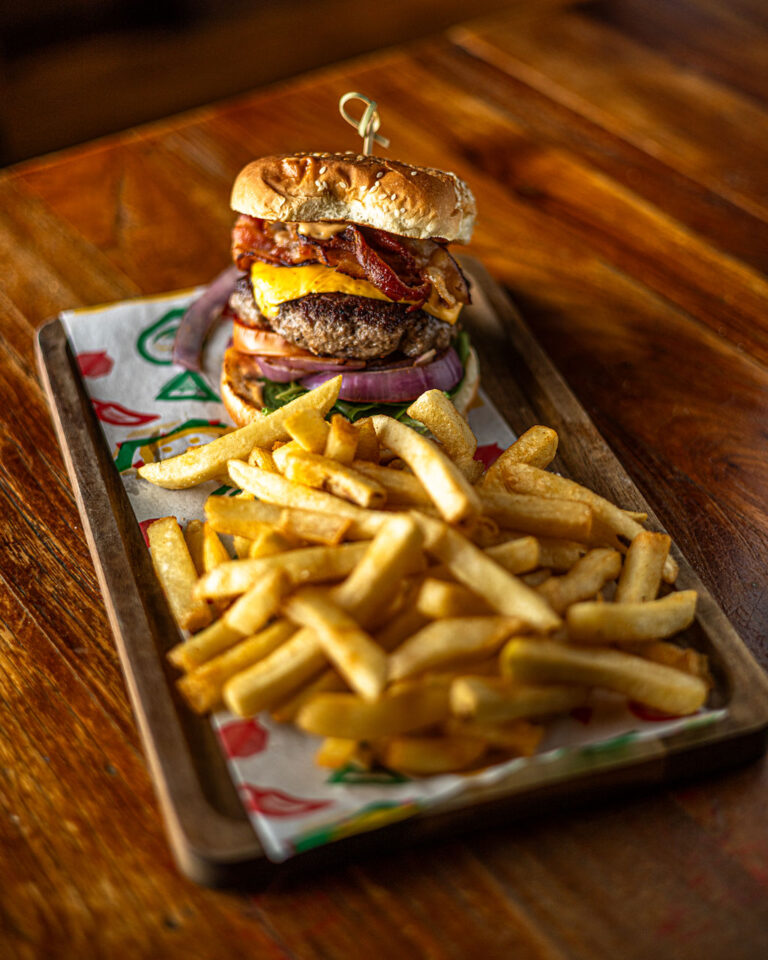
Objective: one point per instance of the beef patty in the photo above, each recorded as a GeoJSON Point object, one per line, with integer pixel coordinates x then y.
{"type": "Point", "coordinates": [343, 325]}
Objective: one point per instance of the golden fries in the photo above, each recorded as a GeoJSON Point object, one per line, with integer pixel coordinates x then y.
{"type": "Point", "coordinates": [663, 688]}
{"type": "Point", "coordinates": [177, 574]}
{"type": "Point", "coordinates": [443, 643]}
{"type": "Point", "coordinates": [449, 489]}
{"type": "Point", "coordinates": [498, 699]}
{"type": "Point", "coordinates": [342, 441]}
{"type": "Point", "coordinates": [537, 447]}
{"type": "Point", "coordinates": [337, 478]}
{"type": "Point", "coordinates": [440, 626]}
{"type": "Point", "coordinates": [447, 425]}
{"type": "Point", "coordinates": [627, 622]}
{"type": "Point", "coordinates": [356, 656]}
{"type": "Point", "coordinates": [643, 568]}
{"type": "Point", "coordinates": [199, 464]}
{"type": "Point", "coordinates": [410, 707]}
{"type": "Point", "coordinates": [583, 580]}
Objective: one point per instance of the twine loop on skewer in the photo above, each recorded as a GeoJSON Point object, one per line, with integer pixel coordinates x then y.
{"type": "Point", "coordinates": [368, 125]}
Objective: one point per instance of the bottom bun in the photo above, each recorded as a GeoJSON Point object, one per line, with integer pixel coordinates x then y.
{"type": "Point", "coordinates": [242, 395]}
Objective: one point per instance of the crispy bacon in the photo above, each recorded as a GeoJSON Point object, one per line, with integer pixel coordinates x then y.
{"type": "Point", "coordinates": [403, 269]}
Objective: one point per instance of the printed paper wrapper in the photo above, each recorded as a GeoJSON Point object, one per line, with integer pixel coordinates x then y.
{"type": "Point", "coordinates": [150, 409]}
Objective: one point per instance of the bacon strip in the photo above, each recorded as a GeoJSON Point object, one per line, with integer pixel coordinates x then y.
{"type": "Point", "coordinates": [402, 268]}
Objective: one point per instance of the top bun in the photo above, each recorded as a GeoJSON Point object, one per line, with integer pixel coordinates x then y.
{"type": "Point", "coordinates": [374, 191]}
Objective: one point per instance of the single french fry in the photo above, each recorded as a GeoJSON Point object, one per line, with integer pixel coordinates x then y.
{"type": "Point", "coordinates": [328, 681]}
{"type": "Point", "coordinates": [242, 546]}
{"type": "Point", "coordinates": [523, 478]}
{"type": "Point", "coordinates": [259, 457]}
{"type": "Point", "coordinates": [281, 454]}
{"type": "Point", "coordinates": [536, 577]}
{"type": "Point", "coordinates": [309, 429]}
{"type": "Point", "coordinates": [517, 736]}
{"type": "Point", "coordinates": [241, 518]}
{"type": "Point", "coordinates": [336, 478]}
{"type": "Point", "coordinates": [194, 536]}
{"type": "Point", "coordinates": [567, 519]}
{"type": "Point", "coordinates": [305, 565]}
{"type": "Point", "coordinates": [537, 447]}
{"type": "Point", "coordinates": [368, 447]}
{"type": "Point", "coordinates": [446, 642]}
{"type": "Point", "coordinates": [498, 699]}
{"type": "Point", "coordinates": [202, 687]}
{"type": "Point", "coordinates": [393, 553]}
{"type": "Point", "coordinates": [342, 440]}
{"type": "Point", "coordinates": [176, 573]}
{"type": "Point", "coordinates": [403, 489]}
{"type": "Point", "coordinates": [639, 515]}
{"type": "Point", "coordinates": [516, 556]}
{"type": "Point", "coordinates": [271, 542]}
{"type": "Point", "coordinates": [583, 580]}
{"type": "Point", "coordinates": [437, 599]}
{"type": "Point", "coordinates": [413, 706]}
{"type": "Point", "coordinates": [655, 685]}
{"type": "Point", "coordinates": [643, 568]}
{"type": "Point", "coordinates": [214, 551]}
{"type": "Point", "coordinates": [449, 489]}
{"type": "Point", "coordinates": [276, 489]}
{"type": "Point", "coordinates": [355, 654]}
{"type": "Point", "coordinates": [215, 638]}
{"type": "Point", "coordinates": [438, 414]}
{"type": "Point", "coordinates": [592, 622]}
{"type": "Point", "coordinates": [504, 592]}
{"type": "Point", "coordinates": [431, 755]}
{"type": "Point", "coordinates": [312, 526]}
{"type": "Point", "coordinates": [199, 464]}
{"type": "Point", "coordinates": [277, 676]}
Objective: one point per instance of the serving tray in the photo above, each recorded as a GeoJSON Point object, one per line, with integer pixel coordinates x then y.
{"type": "Point", "coordinates": [209, 832]}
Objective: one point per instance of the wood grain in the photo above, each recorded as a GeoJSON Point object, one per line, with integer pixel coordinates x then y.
{"type": "Point", "coordinates": [650, 307]}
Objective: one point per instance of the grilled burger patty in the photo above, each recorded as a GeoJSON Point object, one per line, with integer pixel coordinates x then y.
{"type": "Point", "coordinates": [344, 325]}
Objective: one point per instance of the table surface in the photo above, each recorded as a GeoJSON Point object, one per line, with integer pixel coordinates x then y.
{"type": "Point", "coordinates": [618, 153]}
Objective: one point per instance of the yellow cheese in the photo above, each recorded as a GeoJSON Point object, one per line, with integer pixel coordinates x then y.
{"type": "Point", "coordinates": [273, 285]}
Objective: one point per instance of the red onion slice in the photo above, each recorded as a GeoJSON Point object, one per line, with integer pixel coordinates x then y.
{"type": "Point", "coordinates": [197, 321]}
{"type": "Point", "coordinates": [395, 385]}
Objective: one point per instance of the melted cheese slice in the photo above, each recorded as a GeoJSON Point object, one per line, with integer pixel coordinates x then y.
{"type": "Point", "coordinates": [273, 285]}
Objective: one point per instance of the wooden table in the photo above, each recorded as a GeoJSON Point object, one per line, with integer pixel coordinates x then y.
{"type": "Point", "coordinates": [618, 153]}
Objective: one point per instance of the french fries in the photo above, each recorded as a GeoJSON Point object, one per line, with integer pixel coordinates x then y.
{"type": "Point", "coordinates": [199, 464]}
{"type": "Point", "coordinates": [627, 622]}
{"type": "Point", "coordinates": [176, 572]}
{"type": "Point", "coordinates": [537, 447]}
{"type": "Point", "coordinates": [450, 491]}
{"type": "Point", "coordinates": [415, 614]}
{"type": "Point", "coordinates": [657, 686]}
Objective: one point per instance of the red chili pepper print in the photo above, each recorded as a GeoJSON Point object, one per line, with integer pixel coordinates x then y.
{"type": "Point", "coordinates": [120, 416]}
{"type": "Point", "coordinates": [488, 453]}
{"type": "Point", "coordinates": [96, 363]}
{"type": "Point", "coordinates": [243, 738]}
{"type": "Point", "coordinates": [275, 803]}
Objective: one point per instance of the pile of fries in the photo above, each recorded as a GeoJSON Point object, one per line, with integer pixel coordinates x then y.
{"type": "Point", "coordinates": [413, 610]}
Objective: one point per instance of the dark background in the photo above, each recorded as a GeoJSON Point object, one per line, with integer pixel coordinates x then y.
{"type": "Point", "coordinates": [74, 70]}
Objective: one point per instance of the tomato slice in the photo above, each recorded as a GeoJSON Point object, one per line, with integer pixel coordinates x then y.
{"type": "Point", "coordinates": [265, 342]}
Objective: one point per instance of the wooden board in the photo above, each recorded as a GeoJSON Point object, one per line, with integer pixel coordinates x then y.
{"type": "Point", "coordinates": [210, 835]}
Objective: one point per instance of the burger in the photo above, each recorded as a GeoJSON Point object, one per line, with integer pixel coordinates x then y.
{"type": "Point", "coordinates": [345, 268]}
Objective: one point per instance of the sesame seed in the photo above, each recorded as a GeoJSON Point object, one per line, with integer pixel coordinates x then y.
{"type": "Point", "coordinates": [393, 196]}
{"type": "Point", "coordinates": [380, 174]}
{"type": "Point", "coordinates": [323, 169]}
{"type": "Point", "coordinates": [413, 173]}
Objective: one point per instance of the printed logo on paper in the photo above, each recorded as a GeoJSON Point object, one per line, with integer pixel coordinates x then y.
{"type": "Point", "coordinates": [95, 363]}
{"type": "Point", "coordinates": [187, 386]}
{"type": "Point", "coordinates": [155, 343]}
{"type": "Point", "coordinates": [192, 433]}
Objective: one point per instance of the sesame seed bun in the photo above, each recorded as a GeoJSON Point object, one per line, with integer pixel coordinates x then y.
{"type": "Point", "coordinates": [373, 191]}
